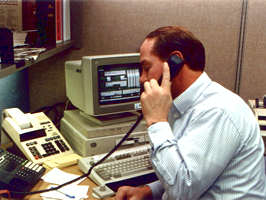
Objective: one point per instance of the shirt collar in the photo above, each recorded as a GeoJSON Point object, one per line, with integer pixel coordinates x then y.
{"type": "Point", "coordinates": [184, 101]}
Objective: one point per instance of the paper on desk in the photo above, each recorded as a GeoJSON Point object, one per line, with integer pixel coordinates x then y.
{"type": "Point", "coordinates": [77, 191]}
{"type": "Point", "coordinates": [57, 176]}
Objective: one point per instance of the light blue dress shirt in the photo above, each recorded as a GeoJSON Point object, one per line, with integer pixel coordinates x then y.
{"type": "Point", "coordinates": [211, 148]}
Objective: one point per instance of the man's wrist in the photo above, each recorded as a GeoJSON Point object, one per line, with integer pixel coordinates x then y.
{"type": "Point", "coordinates": [154, 122]}
{"type": "Point", "coordinates": [151, 123]}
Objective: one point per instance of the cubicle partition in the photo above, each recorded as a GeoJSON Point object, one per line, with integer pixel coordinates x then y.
{"type": "Point", "coordinates": [115, 26]}
{"type": "Point", "coordinates": [119, 26]}
{"type": "Point", "coordinates": [253, 71]}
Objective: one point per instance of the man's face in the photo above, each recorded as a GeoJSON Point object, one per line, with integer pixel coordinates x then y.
{"type": "Point", "coordinates": [151, 65]}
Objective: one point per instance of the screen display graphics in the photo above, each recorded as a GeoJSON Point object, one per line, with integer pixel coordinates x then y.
{"type": "Point", "coordinates": [118, 83]}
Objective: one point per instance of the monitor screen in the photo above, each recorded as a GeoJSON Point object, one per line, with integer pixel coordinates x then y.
{"type": "Point", "coordinates": [104, 84]}
{"type": "Point", "coordinates": [118, 83]}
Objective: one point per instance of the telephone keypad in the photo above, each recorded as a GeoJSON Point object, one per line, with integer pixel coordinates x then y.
{"type": "Point", "coordinates": [29, 169]}
{"type": "Point", "coordinates": [9, 161]}
{"type": "Point", "coordinates": [18, 174]}
{"type": "Point", "coordinates": [23, 167]}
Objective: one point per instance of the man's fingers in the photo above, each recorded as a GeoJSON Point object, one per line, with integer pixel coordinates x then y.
{"type": "Point", "coordinates": [153, 83]}
{"type": "Point", "coordinates": [166, 76]}
{"type": "Point", "coordinates": [150, 85]}
{"type": "Point", "coordinates": [147, 86]}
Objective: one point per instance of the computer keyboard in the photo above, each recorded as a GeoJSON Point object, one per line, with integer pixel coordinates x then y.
{"type": "Point", "coordinates": [121, 165]}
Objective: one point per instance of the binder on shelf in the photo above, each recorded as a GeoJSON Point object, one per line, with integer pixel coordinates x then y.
{"type": "Point", "coordinates": [6, 46]}
{"type": "Point", "coordinates": [59, 20]}
{"type": "Point", "coordinates": [45, 36]}
{"type": "Point", "coordinates": [46, 23]}
{"type": "Point", "coordinates": [28, 15]}
{"type": "Point", "coordinates": [66, 20]}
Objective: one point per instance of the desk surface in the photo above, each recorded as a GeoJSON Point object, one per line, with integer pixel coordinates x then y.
{"type": "Point", "coordinates": [72, 169]}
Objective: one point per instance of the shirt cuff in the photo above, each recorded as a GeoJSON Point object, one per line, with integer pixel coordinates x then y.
{"type": "Point", "coordinates": [159, 133]}
{"type": "Point", "coordinates": [157, 190]}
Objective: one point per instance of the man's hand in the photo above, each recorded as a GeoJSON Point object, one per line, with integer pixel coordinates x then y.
{"type": "Point", "coordinates": [156, 100]}
{"type": "Point", "coordinates": [133, 193]}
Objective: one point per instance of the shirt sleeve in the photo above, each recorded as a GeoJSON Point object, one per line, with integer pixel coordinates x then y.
{"type": "Point", "coordinates": [157, 189]}
{"type": "Point", "coordinates": [189, 165]}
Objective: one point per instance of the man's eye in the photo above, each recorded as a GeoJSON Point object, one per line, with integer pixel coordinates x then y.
{"type": "Point", "coordinates": [145, 68]}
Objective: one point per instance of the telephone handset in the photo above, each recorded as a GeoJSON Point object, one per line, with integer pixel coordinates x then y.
{"type": "Point", "coordinates": [175, 63]}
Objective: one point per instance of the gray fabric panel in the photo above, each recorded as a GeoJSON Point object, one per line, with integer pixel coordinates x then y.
{"type": "Point", "coordinates": [253, 81]}
{"type": "Point", "coordinates": [115, 26]}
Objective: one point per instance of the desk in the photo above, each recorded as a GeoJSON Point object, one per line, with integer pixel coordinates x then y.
{"type": "Point", "coordinates": [72, 169]}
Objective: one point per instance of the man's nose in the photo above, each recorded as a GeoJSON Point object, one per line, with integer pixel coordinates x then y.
{"type": "Point", "coordinates": [142, 78]}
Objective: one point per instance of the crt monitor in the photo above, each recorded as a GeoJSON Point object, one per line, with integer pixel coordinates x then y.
{"type": "Point", "coordinates": [104, 84]}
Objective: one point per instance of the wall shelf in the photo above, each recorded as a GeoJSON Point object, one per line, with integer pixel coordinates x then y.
{"type": "Point", "coordinates": [6, 70]}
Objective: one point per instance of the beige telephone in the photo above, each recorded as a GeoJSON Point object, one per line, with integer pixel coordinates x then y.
{"type": "Point", "coordinates": [37, 138]}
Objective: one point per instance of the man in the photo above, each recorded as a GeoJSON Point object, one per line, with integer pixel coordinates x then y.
{"type": "Point", "coordinates": [205, 141]}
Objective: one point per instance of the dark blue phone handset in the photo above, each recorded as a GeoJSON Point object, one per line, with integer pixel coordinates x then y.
{"type": "Point", "coordinates": [175, 64]}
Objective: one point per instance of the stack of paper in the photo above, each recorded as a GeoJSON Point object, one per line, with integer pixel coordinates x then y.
{"type": "Point", "coordinates": [72, 191]}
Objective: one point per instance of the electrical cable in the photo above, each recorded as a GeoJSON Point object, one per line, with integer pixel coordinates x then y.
{"type": "Point", "coordinates": [91, 168]}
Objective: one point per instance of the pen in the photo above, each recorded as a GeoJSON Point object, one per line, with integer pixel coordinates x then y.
{"type": "Point", "coordinates": [67, 195]}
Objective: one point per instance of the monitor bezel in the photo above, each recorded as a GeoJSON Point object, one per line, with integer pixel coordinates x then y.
{"type": "Point", "coordinates": [90, 66]}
